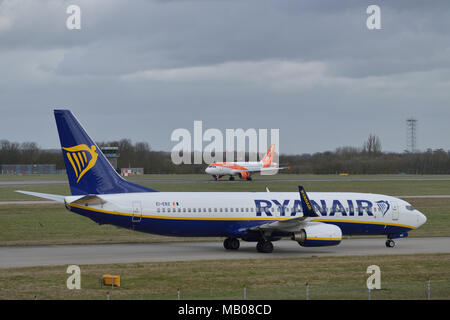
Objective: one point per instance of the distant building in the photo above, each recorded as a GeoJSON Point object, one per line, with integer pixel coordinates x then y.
{"type": "Point", "coordinates": [112, 153]}
{"type": "Point", "coordinates": [28, 168]}
{"type": "Point", "coordinates": [125, 172]}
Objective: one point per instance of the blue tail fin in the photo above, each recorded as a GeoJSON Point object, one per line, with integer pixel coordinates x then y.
{"type": "Point", "coordinates": [308, 209]}
{"type": "Point", "coordinates": [88, 170]}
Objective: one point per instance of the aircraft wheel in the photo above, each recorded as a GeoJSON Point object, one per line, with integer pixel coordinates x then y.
{"type": "Point", "coordinates": [264, 246]}
{"type": "Point", "coordinates": [390, 243]}
{"type": "Point", "coordinates": [231, 244]}
{"type": "Point", "coordinates": [231, 178]}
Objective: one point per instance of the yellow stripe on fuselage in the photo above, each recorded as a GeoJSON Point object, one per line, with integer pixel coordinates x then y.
{"type": "Point", "coordinates": [323, 239]}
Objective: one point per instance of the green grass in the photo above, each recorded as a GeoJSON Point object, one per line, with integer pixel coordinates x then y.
{"type": "Point", "coordinates": [53, 224]}
{"type": "Point", "coordinates": [402, 277]}
{"type": "Point", "coordinates": [394, 188]}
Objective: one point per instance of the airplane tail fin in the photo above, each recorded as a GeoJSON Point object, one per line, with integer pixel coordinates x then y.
{"type": "Point", "coordinates": [308, 209]}
{"type": "Point", "coordinates": [268, 158]}
{"type": "Point", "coordinates": [88, 170]}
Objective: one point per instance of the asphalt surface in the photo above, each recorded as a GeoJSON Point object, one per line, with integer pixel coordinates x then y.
{"type": "Point", "coordinates": [27, 256]}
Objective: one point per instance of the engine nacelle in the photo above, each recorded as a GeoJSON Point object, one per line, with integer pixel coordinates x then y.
{"type": "Point", "coordinates": [318, 235]}
{"type": "Point", "coordinates": [244, 175]}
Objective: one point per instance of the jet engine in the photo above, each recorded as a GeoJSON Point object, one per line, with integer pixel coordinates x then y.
{"type": "Point", "coordinates": [318, 235]}
{"type": "Point", "coordinates": [244, 175]}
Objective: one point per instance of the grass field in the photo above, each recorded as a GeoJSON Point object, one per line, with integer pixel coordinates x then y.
{"type": "Point", "coordinates": [402, 277]}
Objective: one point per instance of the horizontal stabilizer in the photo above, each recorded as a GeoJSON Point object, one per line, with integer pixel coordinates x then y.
{"type": "Point", "coordinates": [90, 199]}
{"type": "Point", "coordinates": [54, 197]}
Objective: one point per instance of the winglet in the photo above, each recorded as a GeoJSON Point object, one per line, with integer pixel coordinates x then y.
{"type": "Point", "coordinates": [308, 210]}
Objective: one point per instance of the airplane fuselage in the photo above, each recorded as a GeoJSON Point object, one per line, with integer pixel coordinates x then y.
{"type": "Point", "coordinates": [232, 214]}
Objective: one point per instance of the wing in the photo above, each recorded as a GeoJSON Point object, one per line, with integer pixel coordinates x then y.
{"type": "Point", "coordinates": [289, 225]}
{"type": "Point", "coordinates": [296, 223]}
{"type": "Point", "coordinates": [304, 229]}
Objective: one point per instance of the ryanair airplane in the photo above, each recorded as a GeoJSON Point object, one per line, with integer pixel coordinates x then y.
{"type": "Point", "coordinates": [314, 219]}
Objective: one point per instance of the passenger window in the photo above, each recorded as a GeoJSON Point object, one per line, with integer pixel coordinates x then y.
{"type": "Point", "coordinates": [231, 209]}
{"type": "Point", "coordinates": [158, 210]}
{"type": "Point", "coordinates": [163, 210]}
{"type": "Point", "coordinates": [226, 209]}
{"type": "Point", "coordinates": [189, 209]}
{"type": "Point", "coordinates": [184, 209]}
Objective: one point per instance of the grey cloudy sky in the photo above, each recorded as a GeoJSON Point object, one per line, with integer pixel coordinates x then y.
{"type": "Point", "coordinates": [140, 69]}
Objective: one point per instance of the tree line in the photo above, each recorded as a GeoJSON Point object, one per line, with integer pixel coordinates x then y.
{"type": "Point", "coordinates": [367, 159]}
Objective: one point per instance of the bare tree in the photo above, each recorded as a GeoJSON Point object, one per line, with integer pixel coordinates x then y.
{"type": "Point", "coordinates": [372, 146]}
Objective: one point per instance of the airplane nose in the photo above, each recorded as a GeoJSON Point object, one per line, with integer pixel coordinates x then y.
{"type": "Point", "coordinates": [421, 219]}
{"type": "Point", "coordinates": [208, 170]}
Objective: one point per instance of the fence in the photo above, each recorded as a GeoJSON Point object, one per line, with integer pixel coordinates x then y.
{"type": "Point", "coordinates": [411, 290]}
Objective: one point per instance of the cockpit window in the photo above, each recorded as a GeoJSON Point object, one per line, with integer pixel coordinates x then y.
{"type": "Point", "coordinates": [410, 208]}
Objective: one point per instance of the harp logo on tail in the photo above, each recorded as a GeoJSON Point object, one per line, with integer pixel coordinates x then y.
{"type": "Point", "coordinates": [82, 158]}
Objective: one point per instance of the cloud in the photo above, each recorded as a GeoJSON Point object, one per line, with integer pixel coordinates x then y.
{"type": "Point", "coordinates": [287, 75]}
{"type": "Point", "coordinates": [294, 60]}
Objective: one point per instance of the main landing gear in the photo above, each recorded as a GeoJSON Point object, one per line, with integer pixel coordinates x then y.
{"type": "Point", "coordinates": [263, 246]}
{"type": "Point", "coordinates": [231, 244]}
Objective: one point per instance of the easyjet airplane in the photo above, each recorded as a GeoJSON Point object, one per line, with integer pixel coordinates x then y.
{"type": "Point", "coordinates": [319, 219]}
{"type": "Point", "coordinates": [244, 169]}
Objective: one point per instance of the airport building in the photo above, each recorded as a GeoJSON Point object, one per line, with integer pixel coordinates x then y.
{"type": "Point", "coordinates": [112, 153]}
{"type": "Point", "coordinates": [28, 168]}
{"type": "Point", "coordinates": [126, 172]}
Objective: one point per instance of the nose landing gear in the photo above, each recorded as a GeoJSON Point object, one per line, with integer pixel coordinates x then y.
{"type": "Point", "coordinates": [390, 243]}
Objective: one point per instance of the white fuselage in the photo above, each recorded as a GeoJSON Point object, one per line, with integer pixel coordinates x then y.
{"type": "Point", "coordinates": [236, 168]}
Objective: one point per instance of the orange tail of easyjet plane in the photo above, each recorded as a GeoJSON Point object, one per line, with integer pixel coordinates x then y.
{"type": "Point", "coordinates": [268, 158]}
